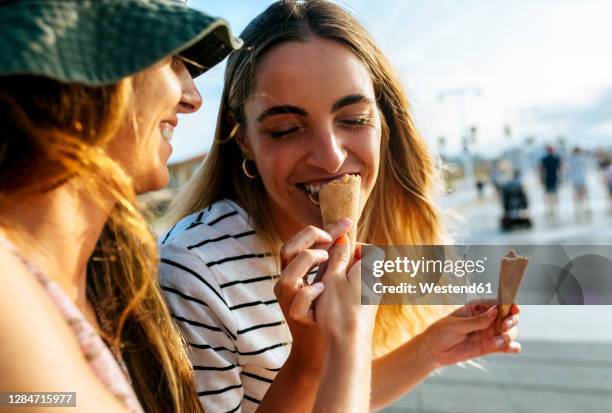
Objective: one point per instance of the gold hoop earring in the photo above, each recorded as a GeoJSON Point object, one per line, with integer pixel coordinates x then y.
{"type": "Point", "coordinates": [246, 171]}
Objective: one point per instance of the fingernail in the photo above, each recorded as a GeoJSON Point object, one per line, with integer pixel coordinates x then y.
{"type": "Point", "coordinates": [498, 342]}
{"type": "Point", "coordinates": [342, 240]}
{"type": "Point", "coordinates": [327, 236]}
{"type": "Point", "coordinates": [318, 286]}
{"type": "Point", "coordinates": [357, 252]}
{"type": "Point", "coordinates": [509, 323]}
{"type": "Point", "coordinates": [322, 254]}
{"type": "Point", "coordinates": [346, 222]}
{"type": "Point", "coordinates": [492, 311]}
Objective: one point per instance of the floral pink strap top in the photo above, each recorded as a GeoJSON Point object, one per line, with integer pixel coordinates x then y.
{"type": "Point", "coordinates": [111, 372]}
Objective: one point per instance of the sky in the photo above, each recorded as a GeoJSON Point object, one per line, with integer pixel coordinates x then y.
{"type": "Point", "coordinates": [541, 67]}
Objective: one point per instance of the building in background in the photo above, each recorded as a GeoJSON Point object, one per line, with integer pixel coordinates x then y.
{"type": "Point", "coordinates": [180, 172]}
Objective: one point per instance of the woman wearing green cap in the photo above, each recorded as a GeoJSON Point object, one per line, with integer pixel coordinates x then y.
{"type": "Point", "coordinates": [89, 97]}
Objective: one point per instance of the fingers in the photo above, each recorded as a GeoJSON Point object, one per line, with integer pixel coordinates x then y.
{"type": "Point", "coordinates": [292, 276]}
{"type": "Point", "coordinates": [474, 307]}
{"type": "Point", "coordinates": [339, 228]}
{"type": "Point", "coordinates": [515, 309]}
{"type": "Point", "coordinates": [339, 255]}
{"type": "Point", "coordinates": [504, 339]}
{"type": "Point", "coordinates": [304, 239]}
{"type": "Point", "coordinates": [301, 308]}
{"type": "Point", "coordinates": [510, 322]}
{"type": "Point", "coordinates": [514, 348]}
{"type": "Point", "coordinates": [466, 325]}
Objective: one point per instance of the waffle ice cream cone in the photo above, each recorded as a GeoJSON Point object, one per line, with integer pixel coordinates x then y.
{"type": "Point", "coordinates": [339, 199]}
{"type": "Point", "coordinates": [511, 274]}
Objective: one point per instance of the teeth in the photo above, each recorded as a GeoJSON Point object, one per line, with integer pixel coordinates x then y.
{"type": "Point", "coordinates": [313, 189]}
{"type": "Point", "coordinates": [166, 131]}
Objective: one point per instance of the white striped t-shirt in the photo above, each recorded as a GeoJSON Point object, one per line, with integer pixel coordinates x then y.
{"type": "Point", "coordinates": [218, 280]}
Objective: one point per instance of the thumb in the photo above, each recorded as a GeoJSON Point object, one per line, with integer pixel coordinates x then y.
{"type": "Point", "coordinates": [466, 325]}
{"type": "Point", "coordinates": [339, 256]}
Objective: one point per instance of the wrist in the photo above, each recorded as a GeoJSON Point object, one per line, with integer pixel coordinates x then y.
{"type": "Point", "coordinates": [352, 344]}
{"type": "Point", "coordinates": [424, 354]}
{"type": "Point", "coordinates": [304, 364]}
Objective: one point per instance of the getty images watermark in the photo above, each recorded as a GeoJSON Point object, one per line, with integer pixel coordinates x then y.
{"type": "Point", "coordinates": [458, 274]}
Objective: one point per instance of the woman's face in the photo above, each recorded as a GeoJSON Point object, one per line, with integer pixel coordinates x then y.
{"type": "Point", "coordinates": [142, 146]}
{"type": "Point", "coordinates": [312, 118]}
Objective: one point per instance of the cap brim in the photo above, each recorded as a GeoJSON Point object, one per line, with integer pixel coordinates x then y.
{"type": "Point", "coordinates": [214, 46]}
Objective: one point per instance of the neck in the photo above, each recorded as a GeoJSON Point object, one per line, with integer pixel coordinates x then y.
{"type": "Point", "coordinates": [57, 231]}
{"type": "Point", "coordinates": [286, 226]}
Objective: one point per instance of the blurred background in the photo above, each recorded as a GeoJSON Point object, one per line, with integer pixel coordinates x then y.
{"type": "Point", "coordinates": [515, 98]}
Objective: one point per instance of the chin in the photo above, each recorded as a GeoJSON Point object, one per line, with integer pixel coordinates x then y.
{"type": "Point", "coordinates": [153, 183]}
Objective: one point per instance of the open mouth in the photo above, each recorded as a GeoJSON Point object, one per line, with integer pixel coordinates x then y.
{"type": "Point", "coordinates": [312, 189]}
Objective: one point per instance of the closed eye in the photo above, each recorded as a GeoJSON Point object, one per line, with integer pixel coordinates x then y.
{"type": "Point", "coordinates": [282, 133]}
{"type": "Point", "coordinates": [357, 122]}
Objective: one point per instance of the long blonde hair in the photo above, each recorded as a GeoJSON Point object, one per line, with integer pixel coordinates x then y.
{"type": "Point", "coordinates": [401, 208]}
{"type": "Point", "coordinates": [57, 135]}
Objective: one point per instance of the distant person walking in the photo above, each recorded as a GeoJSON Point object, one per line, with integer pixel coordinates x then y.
{"type": "Point", "coordinates": [607, 170]}
{"type": "Point", "coordinates": [550, 168]}
{"type": "Point", "coordinates": [576, 173]}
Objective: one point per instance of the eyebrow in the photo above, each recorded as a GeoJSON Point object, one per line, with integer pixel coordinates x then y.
{"type": "Point", "coordinates": [281, 110]}
{"type": "Point", "coordinates": [289, 109]}
{"type": "Point", "coordinates": [350, 100]}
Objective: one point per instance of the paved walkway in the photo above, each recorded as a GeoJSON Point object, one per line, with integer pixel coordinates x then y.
{"type": "Point", "coordinates": [545, 378]}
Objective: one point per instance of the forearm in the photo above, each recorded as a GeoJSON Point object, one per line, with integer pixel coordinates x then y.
{"type": "Point", "coordinates": [398, 372]}
{"type": "Point", "coordinates": [293, 378]}
{"type": "Point", "coordinates": [345, 384]}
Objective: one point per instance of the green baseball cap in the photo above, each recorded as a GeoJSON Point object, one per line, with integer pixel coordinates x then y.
{"type": "Point", "coordinates": [98, 42]}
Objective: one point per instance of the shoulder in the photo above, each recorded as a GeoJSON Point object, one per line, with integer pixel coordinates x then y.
{"type": "Point", "coordinates": [224, 217]}
{"type": "Point", "coordinates": [217, 244]}
{"type": "Point", "coordinates": [30, 325]}
{"type": "Point", "coordinates": [213, 249]}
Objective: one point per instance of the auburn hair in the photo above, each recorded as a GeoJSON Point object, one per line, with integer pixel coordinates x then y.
{"type": "Point", "coordinates": [55, 134]}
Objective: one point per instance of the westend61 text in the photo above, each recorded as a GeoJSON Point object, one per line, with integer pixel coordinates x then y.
{"type": "Point", "coordinates": [432, 288]}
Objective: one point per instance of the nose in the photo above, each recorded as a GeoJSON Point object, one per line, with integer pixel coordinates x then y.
{"type": "Point", "coordinates": [191, 100]}
{"type": "Point", "coordinates": [327, 151]}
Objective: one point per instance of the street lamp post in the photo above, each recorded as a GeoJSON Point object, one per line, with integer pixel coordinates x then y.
{"type": "Point", "coordinates": [466, 137]}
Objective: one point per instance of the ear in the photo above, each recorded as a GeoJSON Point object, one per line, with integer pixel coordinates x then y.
{"type": "Point", "coordinates": [242, 141]}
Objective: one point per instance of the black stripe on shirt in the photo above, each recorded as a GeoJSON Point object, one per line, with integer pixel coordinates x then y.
{"type": "Point", "coordinates": [196, 222]}
{"type": "Point", "coordinates": [222, 217]}
{"type": "Point", "coordinates": [235, 409]}
{"type": "Point", "coordinates": [221, 238]}
{"type": "Point", "coordinates": [251, 399]}
{"type": "Point", "coordinates": [278, 323]}
{"type": "Point", "coordinates": [210, 368]}
{"type": "Point", "coordinates": [262, 350]}
{"type": "Point", "coordinates": [237, 258]}
{"type": "Point", "coordinates": [248, 280]}
{"type": "Point", "coordinates": [213, 328]}
{"type": "Point", "coordinates": [223, 390]}
{"type": "Point", "coordinates": [196, 323]}
{"type": "Point", "coordinates": [168, 234]}
{"type": "Point", "coordinates": [253, 303]}
{"type": "Point", "coordinates": [195, 274]}
{"type": "Point", "coordinates": [256, 377]}
{"type": "Point", "coordinates": [182, 295]}
{"type": "Point", "coordinates": [209, 347]}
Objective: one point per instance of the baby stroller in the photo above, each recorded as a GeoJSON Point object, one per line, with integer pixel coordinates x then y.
{"type": "Point", "coordinates": [515, 203]}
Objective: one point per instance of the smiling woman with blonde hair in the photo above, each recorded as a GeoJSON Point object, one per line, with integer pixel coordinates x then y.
{"type": "Point", "coordinates": [309, 98]}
